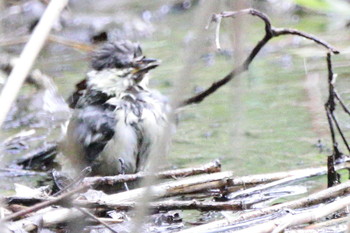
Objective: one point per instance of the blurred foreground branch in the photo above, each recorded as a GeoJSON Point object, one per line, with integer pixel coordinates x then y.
{"type": "Point", "coordinates": [28, 56]}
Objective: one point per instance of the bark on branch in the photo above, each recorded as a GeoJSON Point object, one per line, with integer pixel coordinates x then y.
{"type": "Point", "coordinates": [212, 167]}
{"type": "Point", "coordinates": [312, 199]}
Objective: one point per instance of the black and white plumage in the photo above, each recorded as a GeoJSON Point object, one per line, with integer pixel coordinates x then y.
{"type": "Point", "coordinates": [117, 121]}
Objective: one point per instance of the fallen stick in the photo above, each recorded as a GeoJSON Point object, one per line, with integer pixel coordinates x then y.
{"type": "Point", "coordinates": [327, 223]}
{"type": "Point", "coordinates": [232, 182]}
{"type": "Point", "coordinates": [48, 218]}
{"type": "Point", "coordinates": [301, 175]}
{"type": "Point", "coordinates": [312, 199]}
{"type": "Point", "coordinates": [279, 224]}
{"type": "Point", "coordinates": [44, 204]}
{"type": "Point", "coordinates": [208, 168]}
{"type": "Point", "coordinates": [198, 183]}
{"type": "Point", "coordinates": [172, 188]}
{"type": "Point", "coordinates": [207, 205]}
{"type": "Point", "coordinates": [212, 167]}
{"type": "Point", "coordinates": [168, 205]}
{"type": "Point", "coordinates": [28, 56]}
{"type": "Point", "coordinates": [215, 180]}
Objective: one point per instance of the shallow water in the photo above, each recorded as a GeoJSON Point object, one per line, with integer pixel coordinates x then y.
{"type": "Point", "coordinates": [268, 119]}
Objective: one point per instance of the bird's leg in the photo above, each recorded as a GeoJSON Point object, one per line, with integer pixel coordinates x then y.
{"type": "Point", "coordinates": [122, 171]}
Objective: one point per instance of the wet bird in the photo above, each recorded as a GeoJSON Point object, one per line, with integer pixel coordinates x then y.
{"type": "Point", "coordinates": [117, 120]}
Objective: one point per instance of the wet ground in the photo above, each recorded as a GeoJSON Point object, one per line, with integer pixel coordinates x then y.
{"type": "Point", "coordinates": [269, 119]}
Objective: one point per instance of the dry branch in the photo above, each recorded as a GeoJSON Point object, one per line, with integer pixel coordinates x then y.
{"type": "Point", "coordinates": [169, 205]}
{"type": "Point", "coordinates": [194, 186]}
{"type": "Point", "coordinates": [212, 167]}
{"type": "Point", "coordinates": [125, 200]}
{"type": "Point", "coordinates": [208, 168]}
{"type": "Point", "coordinates": [312, 199]}
{"type": "Point", "coordinates": [172, 188]}
{"type": "Point", "coordinates": [279, 224]}
{"type": "Point", "coordinates": [44, 204]}
{"type": "Point", "coordinates": [231, 182]}
{"type": "Point", "coordinates": [270, 32]}
{"type": "Point", "coordinates": [301, 175]}
{"type": "Point", "coordinates": [327, 223]}
{"type": "Point", "coordinates": [51, 217]}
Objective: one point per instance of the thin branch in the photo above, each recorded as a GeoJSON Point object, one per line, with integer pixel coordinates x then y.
{"type": "Point", "coordinates": [270, 32]}
{"type": "Point", "coordinates": [212, 167]}
{"type": "Point", "coordinates": [331, 127]}
{"type": "Point", "coordinates": [312, 199]}
{"type": "Point", "coordinates": [45, 203]}
{"type": "Point", "coordinates": [260, 188]}
{"type": "Point", "coordinates": [340, 131]}
{"type": "Point", "coordinates": [337, 96]}
{"type": "Point", "coordinates": [287, 31]}
{"type": "Point", "coordinates": [168, 205]}
{"type": "Point", "coordinates": [333, 177]}
{"type": "Point", "coordinates": [308, 216]}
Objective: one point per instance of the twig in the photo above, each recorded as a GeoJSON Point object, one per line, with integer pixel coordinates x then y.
{"type": "Point", "coordinates": [250, 191]}
{"type": "Point", "coordinates": [231, 181]}
{"type": "Point", "coordinates": [168, 205]}
{"type": "Point", "coordinates": [194, 184]}
{"type": "Point", "coordinates": [172, 188]}
{"type": "Point", "coordinates": [326, 223]}
{"type": "Point", "coordinates": [312, 199]}
{"type": "Point", "coordinates": [270, 32]}
{"type": "Point", "coordinates": [340, 131]}
{"type": "Point", "coordinates": [51, 217]}
{"type": "Point", "coordinates": [28, 56]}
{"type": "Point", "coordinates": [341, 102]}
{"type": "Point", "coordinates": [305, 217]}
{"type": "Point", "coordinates": [45, 204]}
{"type": "Point", "coordinates": [333, 176]}
{"type": "Point", "coordinates": [212, 167]}
{"type": "Point", "coordinates": [330, 104]}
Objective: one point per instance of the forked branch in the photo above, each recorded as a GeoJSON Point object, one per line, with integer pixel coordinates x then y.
{"type": "Point", "coordinates": [270, 32]}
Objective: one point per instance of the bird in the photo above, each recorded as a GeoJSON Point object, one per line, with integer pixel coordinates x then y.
{"type": "Point", "coordinates": [117, 120]}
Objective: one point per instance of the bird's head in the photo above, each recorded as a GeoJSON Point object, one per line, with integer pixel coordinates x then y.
{"type": "Point", "coordinates": [125, 56]}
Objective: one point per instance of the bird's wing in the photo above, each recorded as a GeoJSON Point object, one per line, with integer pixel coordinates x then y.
{"type": "Point", "coordinates": [80, 88]}
{"type": "Point", "coordinates": [90, 128]}
{"type": "Point", "coordinates": [93, 127]}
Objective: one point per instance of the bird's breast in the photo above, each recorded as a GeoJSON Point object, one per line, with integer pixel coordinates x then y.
{"type": "Point", "coordinates": [140, 123]}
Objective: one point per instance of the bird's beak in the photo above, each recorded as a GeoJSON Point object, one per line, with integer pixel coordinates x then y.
{"type": "Point", "coordinates": [147, 64]}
